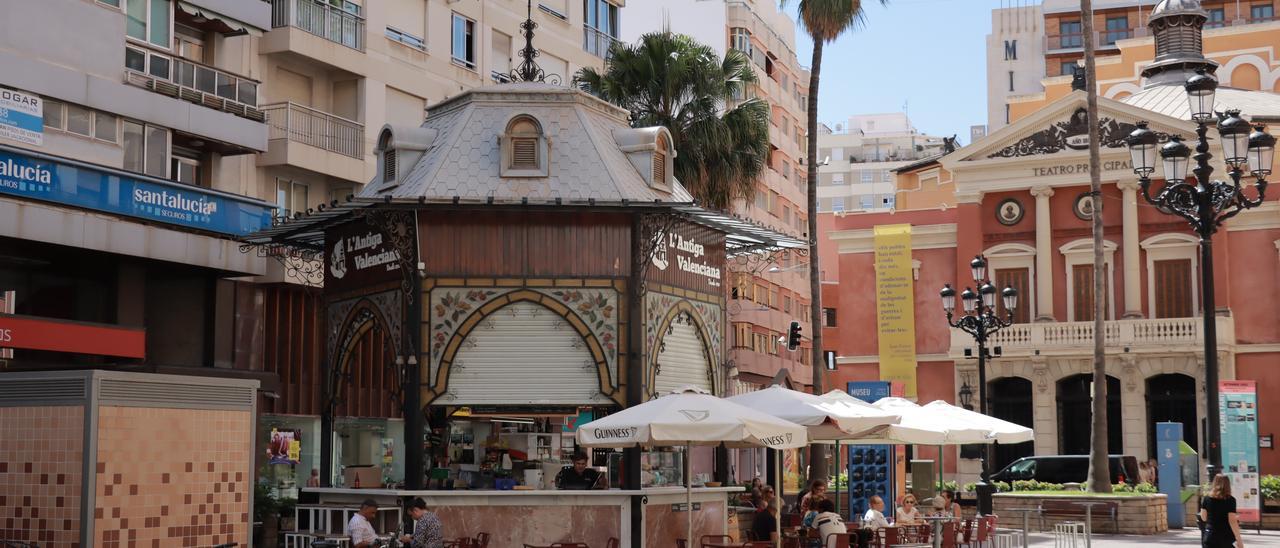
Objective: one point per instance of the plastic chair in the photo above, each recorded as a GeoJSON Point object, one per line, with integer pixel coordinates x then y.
{"type": "Point", "coordinates": [715, 539]}
{"type": "Point", "coordinates": [841, 540]}
{"type": "Point", "coordinates": [950, 530]}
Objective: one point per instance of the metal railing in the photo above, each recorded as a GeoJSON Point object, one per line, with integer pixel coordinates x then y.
{"type": "Point", "coordinates": [321, 19]}
{"type": "Point", "coordinates": [596, 43]}
{"type": "Point", "coordinates": [1155, 334]}
{"type": "Point", "coordinates": [188, 80]}
{"type": "Point", "coordinates": [319, 129]}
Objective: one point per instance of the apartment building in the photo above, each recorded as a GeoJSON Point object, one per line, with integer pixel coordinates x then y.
{"type": "Point", "coordinates": [1030, 45]}
{"type": "Point", "coordinates": [140, 138]}
{"type": "Point", "coordinates": [858, 159]}
{"type": "Point", "coordinates": [1015, 58]}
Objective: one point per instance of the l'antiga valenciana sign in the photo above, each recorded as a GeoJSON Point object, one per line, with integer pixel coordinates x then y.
{"type": "Point", "coordinates": [357, 255]}
{"type": "Point", "coordinates": [698, 253]}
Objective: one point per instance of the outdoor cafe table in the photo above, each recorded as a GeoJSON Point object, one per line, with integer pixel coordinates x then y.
{"type": "Point", "coordinates": [1026, 516]}
{"type": "Point", "coordinates": [1088, 520]}
{"type": "Point", "coordinates": [936, 522]}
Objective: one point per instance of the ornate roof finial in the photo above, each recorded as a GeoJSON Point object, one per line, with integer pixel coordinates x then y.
{"type": "Point", "coordinates": [1178, 28]}
{"type": "Point", "coordinates": [529, 71]}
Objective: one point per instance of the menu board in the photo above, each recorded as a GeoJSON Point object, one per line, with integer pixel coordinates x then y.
{"type": "Point", "coordinates": [1238, 413]}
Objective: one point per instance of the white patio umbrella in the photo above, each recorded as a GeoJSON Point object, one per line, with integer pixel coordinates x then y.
{"type": "Point", "coordinates": [918, 426]}
{"type": "Point", "coordinates": [827, 419]}
{"type": "Point", "coordinates": [686, 417]}
{"type": "Point", "coordinates": [1003, 431]}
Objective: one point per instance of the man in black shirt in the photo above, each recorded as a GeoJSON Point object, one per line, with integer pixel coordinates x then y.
{"type": "Point", "coordinates": [578, 476]}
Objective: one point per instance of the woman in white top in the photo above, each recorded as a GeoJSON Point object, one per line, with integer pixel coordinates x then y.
{"type": "Point", "coordinates": [908, 514]}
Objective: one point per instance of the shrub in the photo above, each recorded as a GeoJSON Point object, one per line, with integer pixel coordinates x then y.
{"type": "Point", "coordinates": [1121, 488]}
{"type": "Point", "coordinates": [1270, 486]}
{"type": "Point", "coordinates": [969, 487]}
{"type": "Point", "coordinates": [1145, 487]}
{"type": "Point", "coordinates": [1001, 486]}
{"type": "Point", "coordinates": [947, 486]}
{"type": "Point", "coordinates": [1052, 487]}
{"type": "Point", "coordinates": [1026, 485]}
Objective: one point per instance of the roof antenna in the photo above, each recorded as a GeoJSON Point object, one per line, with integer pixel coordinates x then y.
{"type": "Point", "coordinates": [529, 71]}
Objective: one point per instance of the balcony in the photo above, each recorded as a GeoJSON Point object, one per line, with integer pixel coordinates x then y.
{"type": "Point", "coordinates": [1165, 335]}
{"type": "Point", "coordinates": [311, 139]}
{"type": "Point", "coordinates": [190, 81]}
{"type": "Point", "coordinates": [596, 43]}
{"type": "Point", "coordinates": [321, 19]}
{"type": "Point", "coordinates": [1105, 40]}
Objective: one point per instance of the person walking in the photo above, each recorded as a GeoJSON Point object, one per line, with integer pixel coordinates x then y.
{"type": "Point", "coordinates": [1218, 520]}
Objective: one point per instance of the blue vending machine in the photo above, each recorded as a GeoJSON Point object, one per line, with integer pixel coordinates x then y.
{"type": "Point", "coordinates": [871, 467]}
{"type": "Point", "coordinates": [1169, 473]}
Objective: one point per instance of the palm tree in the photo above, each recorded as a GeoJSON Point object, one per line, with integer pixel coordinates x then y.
{"type": "Point", "coordinates": [1099, 463]}
{"type": "Point", "coordinates": [825, 20]}
{"type": "Point", "coordinates": [671, 80]}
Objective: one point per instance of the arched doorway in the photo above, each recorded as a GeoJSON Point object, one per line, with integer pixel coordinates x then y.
{"type": "Point", "coordinates": [1075, 415]}
{"type": "Point", "coordinates": [1010, 400]}
{"type": "Point", "coordinates": [1172, 398]}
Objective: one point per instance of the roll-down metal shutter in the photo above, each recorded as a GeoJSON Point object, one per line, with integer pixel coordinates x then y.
{"type": "Point", "coordinates": [524, 354]}
{"type": "Point", "coordinates": [682, 360]}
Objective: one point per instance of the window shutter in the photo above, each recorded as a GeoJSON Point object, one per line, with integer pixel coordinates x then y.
{"type": "Point", "coordinates": [389, 165]}
{"type": "Point", "coordinates": [524, 153]}
{"type": "Point", "coordinates": [659, 168]}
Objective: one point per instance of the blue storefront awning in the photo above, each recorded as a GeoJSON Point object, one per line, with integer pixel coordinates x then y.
{"type": "Point", "coordinates": [36, 176]}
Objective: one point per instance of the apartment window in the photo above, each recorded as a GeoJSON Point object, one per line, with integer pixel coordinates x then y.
{"type": "Point", "coordinates": [81, 121]}
{"type": "Point", "coordinates": [150, 21]}
{"type": "Point", "coordinates": [189, 44]}
{"type": "Point", "coordinates": [185, 167]}
{"type": "Point", "coordinates": [1261, 12]}
{"type": "Point", "coordinates": [786, 304]}
{"type": "Point", "coordinates": [415, 42]}
{"type": "Point", "coordinates": [867, 175]}
{"type": "Point", "coordinates": [1217, 18]}
{"type": "Point", "coordinates": [602, 17]}
{"type": "Point", "coordinates": [786, 214]}
{"type": "Point", "coordinates": [762, 295]}
{"type": "Point", "coordinates": [804, 103]}
{"type": "Point", "coordinates": [762, 199]}
{"type": "Point", "coordinates": [774, 300]}
{"type": "Point", "coordinates": [741, 335]}
{"type": "Point", "coordinates": [1070, 35]}
{"type": "Point", "coordinates": [773, 203]}
{"type": "Point", "coordinates": [740, 39]}
{"type": "Point", "coordinates": [1117, 29]}
{"type": "Point", "coordinates": [291, 196]}
{"type": "Point", "coordinates": [146, 149]}
{"type": "Point", "coordinates": [464, 41]}
{"type": "Point", "coordinates": [828, 317]}
{"type": "Point", "coordinates": [866, 202]}
{"type": "Point", "coordinates": [837, 178]}
{"type": "Point", "coordinates": [1010, 50]}
{"type": "Point", "coordinates": [837, 204]}
{"type": "Point", "coordinates": [886, 176]}
{"type": "Point", "coordinates": [1068, 68]}
{"type": "Point", "coordinates": [786, 170]}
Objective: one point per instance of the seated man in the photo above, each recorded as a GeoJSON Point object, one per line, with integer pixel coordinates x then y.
{"type": "Point", "coordinates": [359, 529]}
{"type": "Point", "coordinates": [579, 476]}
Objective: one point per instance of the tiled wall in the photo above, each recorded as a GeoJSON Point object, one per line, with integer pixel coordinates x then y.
{"type": "Point", "coordinates": [172, 477]}
{"type": "Point", "coordinates": [40, 466]}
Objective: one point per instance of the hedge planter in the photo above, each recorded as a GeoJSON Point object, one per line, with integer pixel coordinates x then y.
{"type": "Point", "coordinates": [1135, 514]}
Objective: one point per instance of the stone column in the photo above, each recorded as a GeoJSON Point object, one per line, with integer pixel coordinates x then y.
{"type": "Point", "coordinates": [1044, 398]}
{"type": "Point", "coordinates": [1130, 246]}
{"type": "Point", "coordinates": [1044, 255]}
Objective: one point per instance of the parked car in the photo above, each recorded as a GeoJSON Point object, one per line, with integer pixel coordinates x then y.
{"type": "Point", "coordinates": [1066, 469]}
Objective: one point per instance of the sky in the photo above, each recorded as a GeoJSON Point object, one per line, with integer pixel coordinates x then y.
{"type": "Point", "coordinates": [929, 55]}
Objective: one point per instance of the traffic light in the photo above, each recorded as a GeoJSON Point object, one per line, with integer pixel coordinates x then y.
{"type": "Point", "coordinates": [793, 336]}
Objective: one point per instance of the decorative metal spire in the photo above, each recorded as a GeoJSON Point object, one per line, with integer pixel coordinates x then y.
{"type": "Point", "coordinates": [1178, 27]}
{"type": "Point", "coordinates": [528, 70]}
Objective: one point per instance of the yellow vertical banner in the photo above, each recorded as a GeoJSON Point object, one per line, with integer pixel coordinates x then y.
{"type": "Point", "coordinates": [895, 306]}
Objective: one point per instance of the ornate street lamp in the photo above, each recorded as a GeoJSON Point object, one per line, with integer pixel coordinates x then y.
{"type": "Point", "coordinates": [1205, 203]}
{"type": "Point", "coordinates": [979, 319]}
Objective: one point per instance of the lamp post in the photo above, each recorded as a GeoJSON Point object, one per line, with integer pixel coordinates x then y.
{"type": "Point", "coordinates": [979, 319]}
{"type": "Point", "coordinates": [1205, 203]}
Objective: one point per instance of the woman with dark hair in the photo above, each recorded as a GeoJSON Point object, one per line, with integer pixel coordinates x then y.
{"type": "Point", "coordinates": [764, 526]}
{"type": "Point", "coordinates": [817, 491]}
{"type": "Point", "coordinates": [1220, 525]}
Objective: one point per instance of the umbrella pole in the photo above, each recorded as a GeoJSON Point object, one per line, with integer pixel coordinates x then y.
{"type": "Point", "coordinates": [688, 495]}
{"type": "Point", "coordinates": [837, 470]}
{"type": "Point", "coordinates": [778, 499]}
